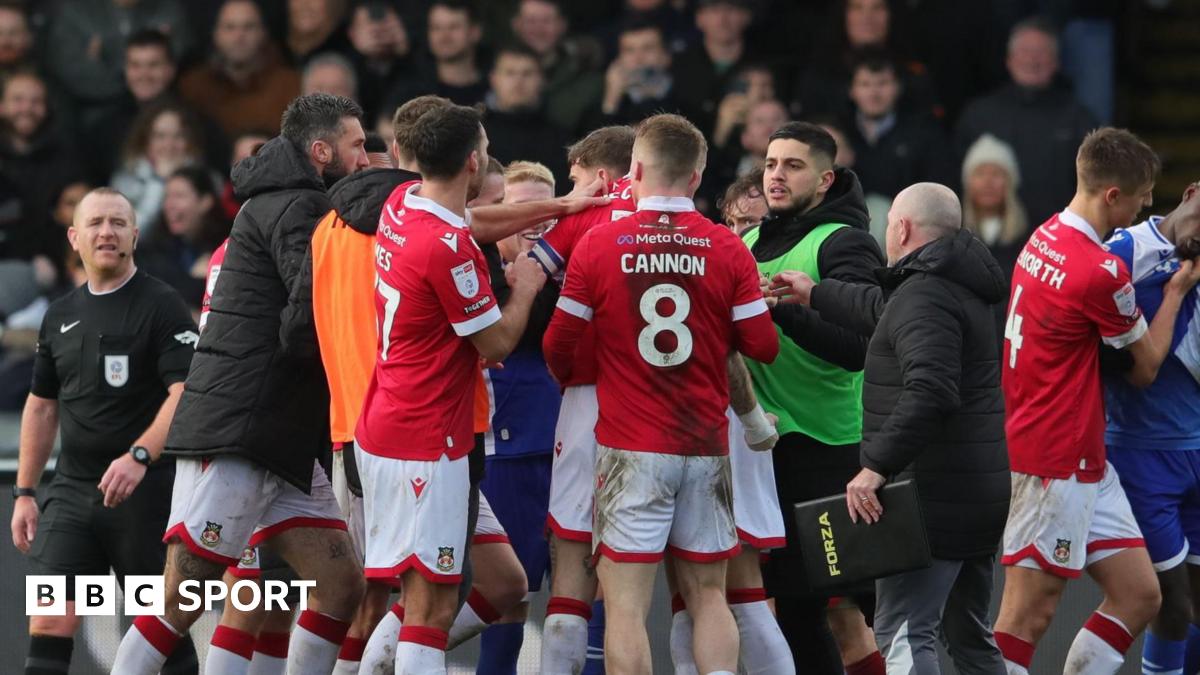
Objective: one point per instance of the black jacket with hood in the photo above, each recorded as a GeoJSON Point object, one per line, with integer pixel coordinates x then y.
{"type": "Point", "coordinates": [932, 405]}
{"type": "Point", "coordinates": [850, 255]}
{"type": "Point", "coordinates": [256, 388]}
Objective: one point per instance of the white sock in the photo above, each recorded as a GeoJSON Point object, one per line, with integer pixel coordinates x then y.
{"type": "Point", "coordinates": [476, 615]}
{"type": "Point", "coordinates": [421, 651]}
{"type": "Point", "coordinates": [722, 672]}
{"type": "Point", "coordinates": [229, 652]}
{"type": "Point", "coordinates": [145, 647]}
{"type": "Point", "coordinates": [564, 640]}
{"type": "Point", "coordinates": [681, 644]}
{"type": "Point", "coordinates": [1099, 647]}
{"type": "Point", "coordinates": [764, 650]}
{"type": "Point", "coordinates": [1015, 668]}
{"type": "Point", "coordinates": [315, 642]}
{"type": "Point", "coordinates": [350, 657]}
{"type": "Point", "coordinates": [265, 664]}
{"type": "Point", "coordinates": [379, 658]}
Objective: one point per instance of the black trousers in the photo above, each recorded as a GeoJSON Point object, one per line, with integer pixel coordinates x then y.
{"type": "Point", "coordinates": [807, 469]}
{"type": "Point", "coordinates": [77, 535]}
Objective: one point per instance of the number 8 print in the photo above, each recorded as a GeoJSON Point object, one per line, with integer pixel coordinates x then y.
{"type": "Point", "coordinates": [657, 323]}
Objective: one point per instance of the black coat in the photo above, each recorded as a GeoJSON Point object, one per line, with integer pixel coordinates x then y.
{"type": "Point", "coordinates": [1044, 128]}
{"type": "Point", "coordinates": [932, 405]}
{"type": "Point", "coordinates": [256, 388]}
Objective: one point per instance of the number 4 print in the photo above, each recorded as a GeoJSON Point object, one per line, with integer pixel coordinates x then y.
{"type": "Point", "coordinates": [1012, 328]}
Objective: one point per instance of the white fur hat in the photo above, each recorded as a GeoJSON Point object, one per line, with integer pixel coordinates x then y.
{"type": "Point", "coordinates": [988, 149]}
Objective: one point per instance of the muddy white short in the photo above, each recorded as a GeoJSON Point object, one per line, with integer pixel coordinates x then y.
{"type": "Point", "coordinates": [488, 529]}
{"type": "Point", "coordinates": [648, 503]}
{"type": "Point", "coordinates": [755, 502]}
{"type": "Point", "coordinates": [415, 516]}
{"type": "Point", "coordinates": [573, 473]}
{"type": "Point", "coordinates": [1062, 526]}
{"type": "Point", "coordinates": [223, 504]}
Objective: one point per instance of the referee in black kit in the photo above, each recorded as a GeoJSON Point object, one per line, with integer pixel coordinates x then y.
{"type": "Point", "coordinates": [112, 356]}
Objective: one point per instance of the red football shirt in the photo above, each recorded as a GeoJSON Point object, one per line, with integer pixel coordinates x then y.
{"type": "Point", "coordinates": [669, 295]}
{"type": "Point", "coordinates": [433, 292]}
{"type": "Point", "coordinates": [554, 251]}
{"type": "Point", "coordinates": [1068, 294]}
{"type": "Point", "coordinates": [210, 281]}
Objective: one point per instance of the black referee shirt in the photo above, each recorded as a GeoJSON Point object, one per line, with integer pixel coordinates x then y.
{"type": "Point", "coordinates": [108, 359]}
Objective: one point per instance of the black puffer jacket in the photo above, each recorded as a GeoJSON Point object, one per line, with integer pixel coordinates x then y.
{"type": "Point", "coordinates": [256, 388]}
{"type": "Point", "coordinates": [931, 397]}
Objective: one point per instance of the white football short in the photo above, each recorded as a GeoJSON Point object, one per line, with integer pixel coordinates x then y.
{"type": "Point", "coordinates": [573, 473]}
{"type": "Point", "coordinates": [1062, 525]}
{"type": "Point", "coordinates": [488, 529]}
{"type": "Point", "coordinates": [416, 512]}
{"type": "Point", "coordinates": [649, 502]}
{"type": "Point", "coordinates": [224, 504]}
{"type": "Point", "coordinates": [248, 567]}
{"type": "Point", "coordinates": [755, 502]}
{"type": "Point", "coordinates": [350, 504]}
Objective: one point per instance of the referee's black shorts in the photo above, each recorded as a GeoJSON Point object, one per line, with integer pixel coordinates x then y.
{"type": "Point", "coordinates": [77, 534]}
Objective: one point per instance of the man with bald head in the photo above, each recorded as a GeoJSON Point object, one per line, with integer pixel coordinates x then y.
{"type": "Point", "coordinates": [111, 359]}
{"type": "Point", "coordinates": [932, 411]}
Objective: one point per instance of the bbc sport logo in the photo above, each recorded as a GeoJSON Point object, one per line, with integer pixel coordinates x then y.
{"type": "Point", "coordinates": [96, 595]}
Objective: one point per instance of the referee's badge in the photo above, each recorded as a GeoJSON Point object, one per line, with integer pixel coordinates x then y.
{"type": "Point", "coordinates": [116, 370]}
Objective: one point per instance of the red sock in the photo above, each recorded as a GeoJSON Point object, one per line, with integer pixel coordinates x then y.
{"type": "Point", "coordinates": [872, 665]}
{"type": "Point", "coordinates": [677, 605]}
{"type": "Point", "coordinates": [1110, 631]}
{"type": "Point", "coordinates": [272, 644]}
{"type": "Point", "coordinates": [486, 612]}
{"type": "Point", "coordinates": [1014, 649]}
{"type": "Point", "coordinates": [352, 649]}
{"type": "Point", "coordinates": [561, 605]}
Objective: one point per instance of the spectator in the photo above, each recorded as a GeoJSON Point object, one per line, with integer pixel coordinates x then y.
{"type": "Point", "coordinates": [314, 27]}
{"type": "Point", "coordinates": [638, 83]}
{"type": "Point", "coordinates": [747, 156]}
{"type": "Point", "coordinates": [893, 148]}
{"type": "Point", "coordinates": [932, 411]}
{"type": "Point", "coordinates": [517, 126]}
{"type": "Point", "coordinates": [573, 84]}
{"type": "Point", "coordinates": [706, 71]}
{"type": "Point", "coordinates": [329, 73]}
{"type": "Point", "coordinates": [16, 40]}
{"type": "Point", "coordinates": [382, 53]}
{"type": "Point", "coordinates": [88, 38]}
{"type": "Point", "coordinates": [454, 35]}
{"type": "Point", "coordinates": [1042, 122]}
{"type": "Point", "coordinates": [150, 71]}
{"type": "Point", "coordinates": [991, 209]}
{"type": "Point", "coordinates": [164, 138]}
{"type": "Point", "coordinates": [678, 29]}
{"type": "Point", "coordinates": [245, 85]}
{"type": "Point", "coordinates": [62, 214]}
{"type": "Point", "coordinates": [754, 83]}
{"type": "Point", "coordinates": [32, 157]}
{"type": "Point", "coordinates": [857, 25]}
{"type": "Point", "coordinates": [743, 206]}
{"type": "Point", "coordinates": [244, 146]}
{"type": "Point", "coordinates": [178, 252]}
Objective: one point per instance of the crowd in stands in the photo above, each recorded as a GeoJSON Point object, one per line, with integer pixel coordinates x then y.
{"type": "Point", "coordinates": [159, 98]}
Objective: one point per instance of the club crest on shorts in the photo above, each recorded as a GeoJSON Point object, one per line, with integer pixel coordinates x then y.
{"type": "Point", "coordinates": [211, 536]}
{"type": "Point", "coordinates": [116, 370]}
{"type": "Point", "coordinates": [1062, 551]}
{"type": "Point", "coordinates": [445, 559]}
{"type": "Point", "coordinates": [465, 279]}
{"type": "Point", "coordinates": [249, 554]}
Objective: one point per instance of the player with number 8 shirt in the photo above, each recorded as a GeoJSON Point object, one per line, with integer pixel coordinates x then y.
{"type": "Point", "coordinates": [669, 295]}
{"type": "Point", "coordinates": [1068, 510]}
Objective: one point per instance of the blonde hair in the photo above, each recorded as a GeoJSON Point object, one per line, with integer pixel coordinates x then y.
{"type": "Point", "coordinates": [528, 172]}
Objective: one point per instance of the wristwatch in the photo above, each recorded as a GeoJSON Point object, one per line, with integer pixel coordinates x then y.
{"type": "Point", "coordinates": [141, 455]}
{"type": "Point", "coordinates": [24, 492]}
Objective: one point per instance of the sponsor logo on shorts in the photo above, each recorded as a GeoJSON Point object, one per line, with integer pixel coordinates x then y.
{"type": "Point", "coordinates": [1062, 551]}
{"type": "Point", "coordinates": [211, 536]}
{"type": "Point", "coordinates": [418, 485]}
{"type": "Point", "coordinates": [558, 448]}
{"type": "Point", "coordinates": [445, 559]}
